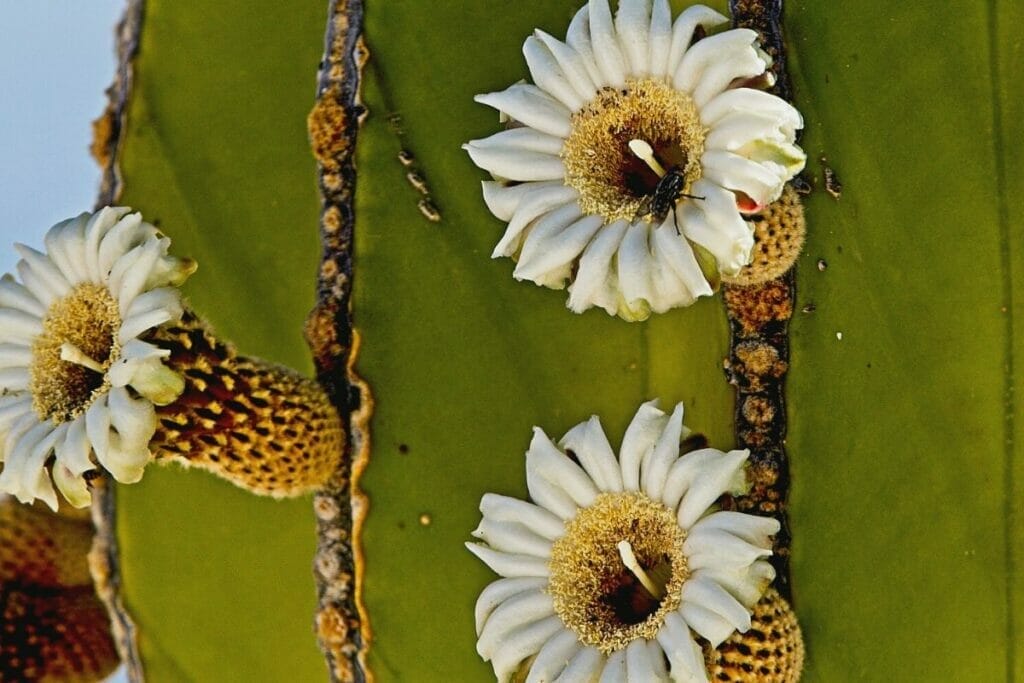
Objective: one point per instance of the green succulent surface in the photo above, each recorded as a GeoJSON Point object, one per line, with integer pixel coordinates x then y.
{"type": "Point", "coordinates": [906, 473]}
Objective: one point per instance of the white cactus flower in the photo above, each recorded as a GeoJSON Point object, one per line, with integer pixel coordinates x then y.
{"type": "Point", "coordinates": [78, 380]}
{"type": "Point", "coordinates": [620, 561]}
{"type": "Point", "coordinates": [628, 164]}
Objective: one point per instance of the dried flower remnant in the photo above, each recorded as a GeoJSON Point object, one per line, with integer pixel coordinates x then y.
{"type": "Point", "coordinates": [53, 627]}
{"type": "Point", "coordinates": [620, 562]}
{"type": "Point", "coordinates": [102, 367]}
{"type": "Point", "coordinates": [628, 166]}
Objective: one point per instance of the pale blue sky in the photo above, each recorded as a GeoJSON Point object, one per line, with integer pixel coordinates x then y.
{"type": "Point", "coordinates": [56, 60]}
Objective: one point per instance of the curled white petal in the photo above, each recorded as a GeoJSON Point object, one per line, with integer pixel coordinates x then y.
{"type": "Point", "coordinates": [607, 51]}
{"type": "Point", "coordinates": [632, 23]}
{"type": "Point", "coordinates": [501, 590]}
{"type": "Point", "coordinates": [590, 445]}
{"type": "Point", "coordinates": [531, 106]}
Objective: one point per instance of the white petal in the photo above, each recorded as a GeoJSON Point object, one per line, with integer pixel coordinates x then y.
{"type": "Point", "coordinates": [99, 225]}
{"type": "Point", "coordinates": [632, 23]}
{"type": "Point", "coordinates": [578, 38]}
{"type": "Point", "coordinates": [572, 64]}
{"type": "Point", "coordinates": [523, 138]}
{"type": "Point", "coordinates": [522, 643]}
{"type": "Point", "coordinates": [640, 437]}
{"type": "Point", "coordinates": [715, 224]}
{"type": "Point", "coordinates": [48, 274]}
{"type": "Point", "coordinates": [15, 379]}
{"type": "Point", "coordinates": [607, 52]}
{"type": "Point", "coordinates": [553, 657]}
{"type": "Point", "coordinates": [707, 624]}
{"type": "Point", "coordinates": [700, 590]}
{"type": "Point", "coordinates": [547, 461]}
{"type": "Point", "coordinates": [684, 472]}
{"type": "Point", "coordinates": [745, 583]}
{"type": "Point", "coordinates": [550, 496]}
{"type": "Point", "coordinates": [537, 519]}
{"type": "Point", "coordinates": [657, 657]}
{"type": "Point", "coordinates": [713, 548]}
{"type": "Point", "coordinates": [638, 662]}
{"type": "Point", "coordinates": [65, 245]}
{"type": "Point", "coordinates": [131, 272]}
{"type": "Point", "coordinates": [16, 429]}
{"type": "Point", "coordinates": [73, 451]}
{"type": "Point", "coordinates": [17, 326]}
{"type": "Point", "coordinates": [543, 198]}
{"type": "Point", "coordinates": [751, 528]}
{"type": "Point", "coordinates": [97, 428]}
{"type": "Point", "coordinates": [123, 237]}
{"type": "Point", "coordinates": [515, 164]}
{"type": "Point", "coordinates": [36, 481]}
{"type": "Point", "coordinates": [676, 253]}
{"type": "Point", "coordinates": [722, 474]}
{"type": "Point", "coordinates": [634, 260]}
{"type": "Point", "coordinates": [506, 564]}
{"type": "Point", "coordinates": [167, 298]}
{"type": "Point", "coordinates": [519, 610]}
{"type": "Point", "coordinates": [682, 32]}
{"type": "Point", "coordinates": [548, 225]}
{"type": "Point", "coordinates": [135, 325]}
{"type": "Point", "coordinates": [553, 249]}
{"type": "Point", "coordinates": [134, 419]}
{"type": "Point", "coordinates": [719, 75]}
{"type": "Point", "coordinates": [596, 282]}
{"type": "Point", "coordinates": [615, 670]}
{"type": "Point", "coordinates": [73, 488]}
{"type": "Point", "coordinates": [15, 355]}
{"type": "Point", "coordinates": [761, 182]}
{"type": "Point", "coordinates": [502, 200]}
{"type": "Point", "coordinates": [749, 100]}
{"type": "Point", "coordinates": [15, 295]}
{"type": "Point", "coordinates": [18, 446]}
{"type": "Point", "coordinates": [710, 51]}
{"type": "Point", "coordinates": [584, 666]}
{"type": "Point", "coordinates": [734, 131]}
{"type": "Point", "coordinates": [12, 408]}
{"type": "Point", "coordinates": [685, 658]}
{"type": "Point", "coordinates": [501, 590]}
{"type": "Point", "coordinates": [654, 468]}
{"type": "Point", "coordinates": [660, 39]}
{"type": "Point", "coordinates": [548, 75]}
{"type": "Point", "coordinates": [135, 356]}
{"type": "Point", "coordinates": [531, 106]}
{"type": "Point", "coordinates": [589, 443]}
{"type": "Point", "coordinates": [512, 537]}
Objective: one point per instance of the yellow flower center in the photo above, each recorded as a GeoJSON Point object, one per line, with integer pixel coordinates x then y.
{"type": "Point", "coordinates": [611, 179]}
{"type": "Point", "coordinates": [71, 356]}
{"type": "Point", "coordinates": [618, 570]}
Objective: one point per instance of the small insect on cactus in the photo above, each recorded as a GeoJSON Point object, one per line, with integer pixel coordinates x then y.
{"type": "Point", "coordinates": [102, 367]}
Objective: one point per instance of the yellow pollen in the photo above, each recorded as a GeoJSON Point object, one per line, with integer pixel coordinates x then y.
{"type": "Point", "coordinates": [72, 354]}
{"type": "Point", "coordinates": [618, 570]}
{"type": "Point", "coordinates": [603, 161]}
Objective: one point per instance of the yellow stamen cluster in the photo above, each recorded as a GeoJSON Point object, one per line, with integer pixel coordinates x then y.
{"type": "Point", "coordinates": [594, 593]}
{"type": "Point", "coordinates": [772, 651]}
{"type": "Point", "coordinates": [599, 163]}
{"type": "Point", "coordinates": [86, 320]}
{"type": "Point", "coordinates": [263, 427]}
